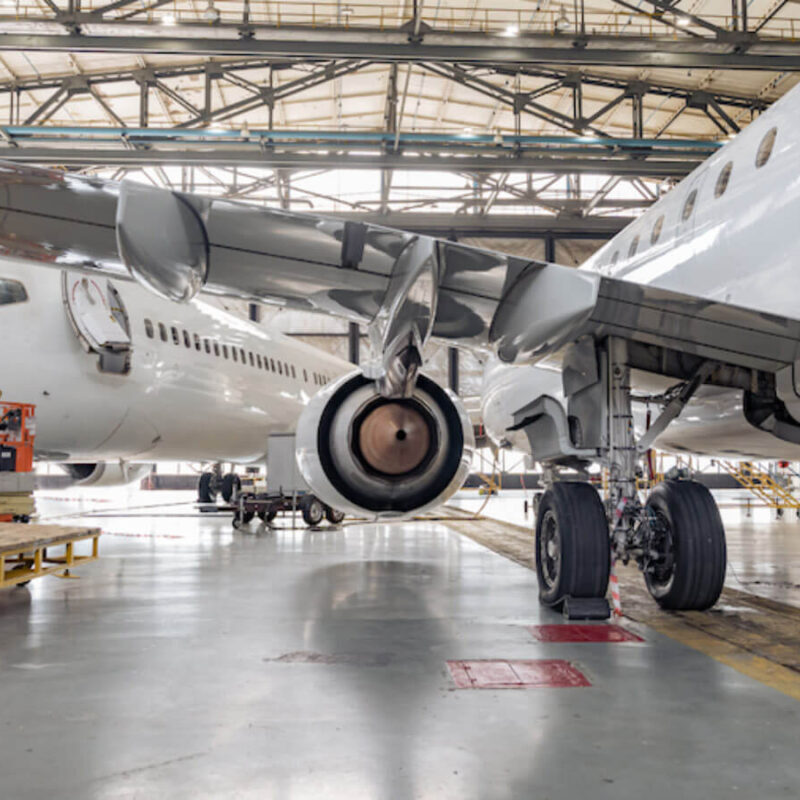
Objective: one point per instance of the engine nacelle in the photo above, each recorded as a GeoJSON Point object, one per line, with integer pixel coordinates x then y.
{"type": "Point", "coordinates": [105, 473]}
{"type": "Point", "coordinates": [370, 455]}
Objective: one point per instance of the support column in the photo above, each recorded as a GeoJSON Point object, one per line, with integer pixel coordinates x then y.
{"type": "Point", "coordinates": [144, 98]}
{"type": "Point", "coordinates": [452, 369]}
{"type": "Point", "coordinates": [353, 343]}
{"type": "Point", "coordinates": [550, 248]}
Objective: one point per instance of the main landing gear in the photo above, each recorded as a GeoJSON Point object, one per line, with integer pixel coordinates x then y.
{"type": "Point", "coordinates": [674, 535]}
{"type": "Point", "coordinates": [676, 538]}
{"type": "Point", "coordinates": [215, 483]}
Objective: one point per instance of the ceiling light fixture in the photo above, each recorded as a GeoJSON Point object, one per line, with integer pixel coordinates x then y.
{"type": "Point", "coordinates": [168, 19]}
{"type": "Point", "coordinates": [562, 23]}
{"type": "Point", "coordinates": [211, 14]}
{"type": "Point", "coordinates": [511, 30]}
{"type": "Point", "coordinates": [682, 21]}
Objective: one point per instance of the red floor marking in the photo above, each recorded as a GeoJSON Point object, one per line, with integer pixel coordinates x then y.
{"type": "Point", "coordinates": [582, 633]}
{"type": "Point", "coordinates": [516, 674]}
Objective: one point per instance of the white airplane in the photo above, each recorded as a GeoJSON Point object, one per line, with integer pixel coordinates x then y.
{"type": "Point", "coordinates": [122, 378]}
{"type": "Point", "coordinates": [692, 310]}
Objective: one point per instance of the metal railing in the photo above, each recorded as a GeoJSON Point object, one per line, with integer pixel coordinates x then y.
{"type": "Point", "coordinates": [512, 21]}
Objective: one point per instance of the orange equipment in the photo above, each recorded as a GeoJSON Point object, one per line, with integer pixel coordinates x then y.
{"type": "Point", "coordinates": [17, 431]}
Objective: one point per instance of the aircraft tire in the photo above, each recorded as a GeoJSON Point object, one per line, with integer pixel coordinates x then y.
{"type": "Point", "coordinates": [242, 518]}
{"type": "Point", "coordinates": [269, 514]}
{"type": "Point", "coordinates": [333, 516]}
{"type": "Point", "coordinates": [312, 509]}
{"type": "Point", "coordinates": [692, 575]}
{"type": "Point", "coordinates": [231, 485]}
{"type": "Point", "coordinates": [205, 494]}
{"type": "Point", "coordinates": [573, 554]}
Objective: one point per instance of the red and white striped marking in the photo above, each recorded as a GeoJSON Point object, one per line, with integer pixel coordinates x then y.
{"type": "Point", "coordinates": [616, 605]}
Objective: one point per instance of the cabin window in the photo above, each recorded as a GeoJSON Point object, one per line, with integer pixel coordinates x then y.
{"type": "Point", "coordinates": [305, 376]}
{"type": "Point", "coordinates": [243, 354]}
{"type": "Point", "coordinates": [197, 345]}
{"type": "Point", "coordinates": [187, 339]}
{"type": "Point", "coordinates": [286, 369]}
{"type": "Point", "coordinates": [723, 179]}
{"type": "Point", "coordinates": [216, 349]}
{"type": "Point", "coordinates": [176, 339]}
{"type": "Point", "coordinates": [207, 346]}
{"type": "Point", "coordinates": [688, 206]}
{"type": "Point", "coordinates": [252, 358]}
{"type": "Point", "coordinates": [614, 258]}
{"type": "Point", "coordinates": [224, 351]}
{"type": "Point", "coordinates": [234, 354]}
{"type": "Point", "coordinates": [11, 292]}
{"type": "Point", "coordinates": [657, 228]}
{"type": "Point", "coordinates": [765, 148]}
{"type": "Point", "coordinates": [162, 331]}
{"type": "Point", "coordinates": [294, 374]}
{"type": "Point", "coordinates": [272, 364]}
{"type": "Point", "coordinates": [280, 368]}
{"type": "Point", "coordinates": [631, 250]}
{"type": "Point", "coordinates": [148, 328]}
{"type": "Point", "coordinates": [258, 360]}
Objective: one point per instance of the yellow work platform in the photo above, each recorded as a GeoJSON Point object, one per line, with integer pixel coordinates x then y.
{"type": "Point", "coordinates": [24, 550]}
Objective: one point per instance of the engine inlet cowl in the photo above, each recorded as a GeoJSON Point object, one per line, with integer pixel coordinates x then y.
{"type": "Point", "coordinates": [374, 455]}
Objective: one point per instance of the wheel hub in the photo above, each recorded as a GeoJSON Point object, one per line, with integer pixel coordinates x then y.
{"type": "Point", "coordinates": [550, 549]}
{"type": "Point", "coordinates": [658, 559]}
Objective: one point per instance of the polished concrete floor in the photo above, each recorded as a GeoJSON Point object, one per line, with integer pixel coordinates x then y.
{"type": "Point", "coordinates": [195, 662]}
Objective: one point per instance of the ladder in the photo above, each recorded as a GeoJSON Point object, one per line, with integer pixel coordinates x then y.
{"type": "Point", "coordinates": [758, 481]}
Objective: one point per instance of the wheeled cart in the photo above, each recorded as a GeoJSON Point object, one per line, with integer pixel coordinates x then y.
{"type": "Point", "coordinates": [267, 506]}
{"type": "Point", "coordinates": [287, 490]}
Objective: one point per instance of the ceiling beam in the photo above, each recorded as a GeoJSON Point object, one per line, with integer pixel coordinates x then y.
{"type": "Point", "coordinates": [209, 155]}
{"type": "Point", "coordinates": [734, 50]}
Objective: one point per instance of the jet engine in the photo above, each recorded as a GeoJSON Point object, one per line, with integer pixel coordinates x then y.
{"type": "Point", "coordinates": [105, 473]}
{"type": "Point", "coordinates": [376, 456]}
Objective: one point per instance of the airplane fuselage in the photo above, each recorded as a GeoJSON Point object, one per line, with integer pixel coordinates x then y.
{"type": "Point", "coordinates": [182, 398]}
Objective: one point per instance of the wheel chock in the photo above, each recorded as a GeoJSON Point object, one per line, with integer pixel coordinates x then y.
{"type": "Point", "coordinates": [586, 608]}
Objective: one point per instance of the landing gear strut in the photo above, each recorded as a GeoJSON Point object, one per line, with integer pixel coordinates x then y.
{"type": "Point", "coordinates": [675, 535]}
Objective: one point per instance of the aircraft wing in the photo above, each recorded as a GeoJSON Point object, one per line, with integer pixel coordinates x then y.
{"type": "Point", "coordinates": [178, 244]}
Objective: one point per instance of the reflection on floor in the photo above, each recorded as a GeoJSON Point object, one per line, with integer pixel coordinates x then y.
{"type": "Point", "coordinates": [193, 661]}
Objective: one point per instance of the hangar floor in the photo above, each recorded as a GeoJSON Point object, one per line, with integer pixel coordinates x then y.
{"type": "Point", "coordinates": [192, 661]}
